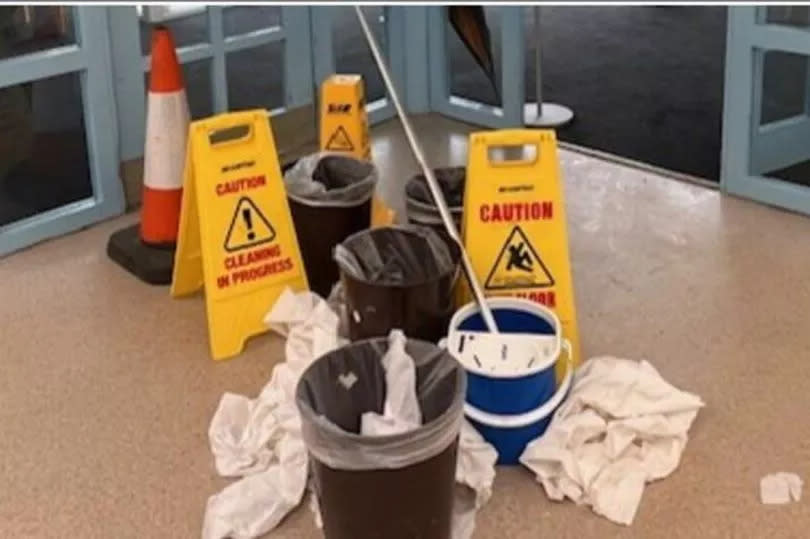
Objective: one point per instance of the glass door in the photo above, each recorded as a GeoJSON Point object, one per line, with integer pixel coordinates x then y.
{"type": "Point", "coordinates": [58, 147]}
{"type": "Point", "coordinates": [233, 58]}
{"type": "Point", "coordinates": [766, 124]}
{"type": "Point", "coordinates": [339, 46]}
{"type": "Point", "coordinates": [459, 89]}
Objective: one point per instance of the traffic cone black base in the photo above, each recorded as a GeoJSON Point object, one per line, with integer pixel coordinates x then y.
{"type": "Point", "coordinates": [150, 264]}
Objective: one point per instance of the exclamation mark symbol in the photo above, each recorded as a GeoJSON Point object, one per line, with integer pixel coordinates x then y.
{"type": "Point", "coordinates": [249, 223]}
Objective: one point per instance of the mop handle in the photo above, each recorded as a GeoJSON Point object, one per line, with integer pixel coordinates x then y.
{"type": "Point", "coordinates": [435, 190]}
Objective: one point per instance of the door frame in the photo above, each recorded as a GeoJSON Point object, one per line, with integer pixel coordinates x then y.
{"type": "Point", "coordinates": [512, 75]}
{"type": "Point", "coordinates": [750, 149]}
{"type": "Point", "coordinates": [324, 53]}
{"type": "Point", "coordinates": [131, 65]}
{"type": "Point", "coordinates": [90, 58]}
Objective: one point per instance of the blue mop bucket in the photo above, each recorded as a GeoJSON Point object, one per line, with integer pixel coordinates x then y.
{"type": "Point", "coordinates": [511, 405]}
{"type": "Point", "coordinates": [510, 434]}
{"type": "Point", "coordinates": [517, 320]}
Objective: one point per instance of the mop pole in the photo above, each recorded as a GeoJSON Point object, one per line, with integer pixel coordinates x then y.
{"type": "Point", "coordinates": [433, 185]}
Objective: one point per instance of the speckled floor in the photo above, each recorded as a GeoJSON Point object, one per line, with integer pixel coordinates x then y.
{"type": "Point", "coordinates": [106, 388]}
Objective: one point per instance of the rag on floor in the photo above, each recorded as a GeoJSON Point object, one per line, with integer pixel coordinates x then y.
{"type": "Point", "coordinates": [779, 488]}
{"type": "Point", "coordinates": [260, 439]}
{"type": "Point", "coordinates": [621, 427]}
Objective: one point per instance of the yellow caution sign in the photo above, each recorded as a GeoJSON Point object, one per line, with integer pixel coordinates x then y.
{"type": "Point", "coordinates": [236, 235]}
{"type": "Point", "coordinates": [344, 122]}
{"type": "Point", "coordinates": [514, 222]}
{"type": "Point", "coordinates": [344, 129]}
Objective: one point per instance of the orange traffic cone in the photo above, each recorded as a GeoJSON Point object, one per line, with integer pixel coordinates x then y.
{"type": "Point", "coordinates": [147, 250]}
{"type": "Point", "coordinates": [167, 122]}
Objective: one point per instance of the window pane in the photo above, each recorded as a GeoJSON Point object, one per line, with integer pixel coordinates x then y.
{"type": "Point", "coordinates": [467, 79]}
{"type": "Point", "coordinates": [781, 151]}
{"type": "Point", "coordinates": [197, 77]}
{"type": "Point", "coordinates": [352, 54]}
{"type": "Point", "coordinates": [27, 29]}
{"type": "Point", "coordinates": [784, 85]}
{"type": "Point", "coordinates": [37, 119]}
{"type": "Point", "coordinates": [255, 77]}
{"type": "Point", "coordinates": [796, 16]}
{"type": "Point", "coordinates": [241, 20]}
{"type": "Point", "coordinates": [188, 30]}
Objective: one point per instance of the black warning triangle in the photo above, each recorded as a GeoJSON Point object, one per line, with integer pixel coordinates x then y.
{"type": "Point", "coordinates": [340, 141]}
{"type": "Point", "coordinates": [249, 227]}
{"type": "Point", "coordinates": [518, 265]}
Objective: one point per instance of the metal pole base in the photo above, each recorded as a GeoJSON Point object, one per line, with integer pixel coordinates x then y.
{"type": "Point", "coordinates": [553, 115]}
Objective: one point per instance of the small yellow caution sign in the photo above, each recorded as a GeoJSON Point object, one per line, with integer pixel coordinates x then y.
{"type": "Point", "coordinates": [344, 129]}
{"type": "Point", "coordinates": [514, 221]}
{"type": "Point", "coordinates": [236, 236]}
{"type": "Point", "coordinates": [344, 122]}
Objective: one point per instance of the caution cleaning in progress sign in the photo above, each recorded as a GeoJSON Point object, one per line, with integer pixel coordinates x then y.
{"type": "Point", "coordinates": [514, 222]}
{"type": "Point", "coordinates": [236, 238]}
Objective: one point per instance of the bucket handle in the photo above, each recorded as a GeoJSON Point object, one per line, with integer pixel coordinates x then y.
{"type": "Point", "coordinates": [525, 419]}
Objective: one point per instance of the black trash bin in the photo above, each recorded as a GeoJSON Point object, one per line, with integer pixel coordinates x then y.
{"type": "Point", "coordinates": [330, 199]}
{"type": "Point", "coordinates": [381, 487]}
{"type": "Point", "coordinates": [419, 203]}
{"type": "Point", "coordinates": [398, 277]}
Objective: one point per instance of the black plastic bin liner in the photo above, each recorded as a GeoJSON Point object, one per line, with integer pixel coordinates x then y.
{"type": "Point", "coordinates": [398, 277]}
{"type": "Point", "coordinates": [330, 199]}
{"type": "Point", "coordinates": [419, 205]}
{"type": "Point", "coordinates": [396, 486]}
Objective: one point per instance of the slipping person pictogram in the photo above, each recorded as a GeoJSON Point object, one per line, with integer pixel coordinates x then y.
{"type": "Point", "coordinates": [518, 265]}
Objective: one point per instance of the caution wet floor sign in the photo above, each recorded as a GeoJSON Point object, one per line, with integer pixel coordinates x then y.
{"type": "Point", "coordinates": [514, 221]}
{"type": "Point", "coordinates": [236, 235]}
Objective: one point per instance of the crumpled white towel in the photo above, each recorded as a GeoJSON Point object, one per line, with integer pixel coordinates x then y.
{"type": "Point", "coordinates": [260, 438]}
{"type": "Point", "coordinates": [475, 466]}
{"type": "Point", "coordinates": [621, 427]}
{"type": "Point", "coordinates": [401, 412]}
{"type": "Point", "coordinates": [779, 488]}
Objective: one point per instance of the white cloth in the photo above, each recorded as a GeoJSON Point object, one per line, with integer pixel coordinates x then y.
{"type": "Point", "coordinates": [779, 488]}
{"type": "Point", "coordinates": [622, 426]}
{"type": "Point", "coordinates": [260, 439]}
{"type": "Point", "coordinates": [401, 412]}
{"type": "Point", "coordinates": [475, 467]}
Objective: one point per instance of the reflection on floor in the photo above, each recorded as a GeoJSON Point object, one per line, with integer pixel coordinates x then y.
{"type": "Point", "coordinates": [107, 390]}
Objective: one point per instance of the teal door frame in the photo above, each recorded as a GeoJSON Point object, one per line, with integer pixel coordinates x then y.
{"type": "Point", "coordinates": [309, 57]}
{"type": "Point", "coordinates": [512, 63]}
{"type": "Point", "coordinates": [90, 58]}
{"type": "Point", "coordinates": [395, 51]}
{"type": "Point", "coordinates": [749, 148]}
{"type": "Point", "coordinates": [108, 59]}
